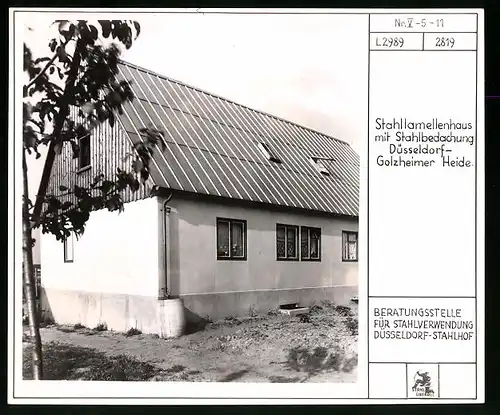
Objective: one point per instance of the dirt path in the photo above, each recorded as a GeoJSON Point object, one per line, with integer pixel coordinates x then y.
{"type": "Point", "coordinates": [318, 348]}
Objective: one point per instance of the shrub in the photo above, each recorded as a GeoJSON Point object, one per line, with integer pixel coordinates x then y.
{"type": "Point", "coordinates": [101, 327]}
{"type": "Point", "coordinates": [253, 311]}
{"type": "Point", "coordinates": [315, 309]}
{"type": "Point", "coordinates": [46, 320]}
{"type": "Point", "coordinates": [132, 332]}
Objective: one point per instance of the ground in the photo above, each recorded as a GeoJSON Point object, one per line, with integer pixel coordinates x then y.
{"type": "Point", "coordinates": [318, 347]}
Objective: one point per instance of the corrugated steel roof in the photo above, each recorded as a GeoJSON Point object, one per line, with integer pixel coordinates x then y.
{"type": "Point", "coordinates": [212, 148]}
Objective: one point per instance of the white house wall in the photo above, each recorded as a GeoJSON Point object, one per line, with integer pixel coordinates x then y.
{"type": "Point", "coordinates": [220, 287]}
{"type": "Point", "coordinates": [115, 268]}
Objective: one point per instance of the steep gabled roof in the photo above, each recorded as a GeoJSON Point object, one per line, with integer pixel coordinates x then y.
{"type": "Point", "coordinates": [212, 147]}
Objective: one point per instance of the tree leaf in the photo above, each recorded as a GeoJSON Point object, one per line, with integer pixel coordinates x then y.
{"type": "Point", "coordinates": [52, 45]}
{"type": "Point", "coordinates": [66, 205]}
{"type": "Point", "coordinates": [137, 165]}
{"type": "Point", "coordinates": [144, 175]}
{"type": "Point", "coordinates": [61, 54]}
{"type": "Point", "coordinates": [137, 28]}
{"type": "Point", "coordinates": [93, 32]}
{"type": "Point", "coordinates": [58, 148]}
{"type": "Point", "coordinates": [75, 149]}
{"type": "Point", "coordinates": [106, 27]}
{"type": "Point", "coordinates": [40, 60]}
{"type": "Point", "coordinates": [28, 58]}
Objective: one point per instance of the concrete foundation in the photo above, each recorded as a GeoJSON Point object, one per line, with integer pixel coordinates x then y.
{"type": "Point", "coordinates": [121, 312]}
{"type": "Point", "coordinates": [246, 303]}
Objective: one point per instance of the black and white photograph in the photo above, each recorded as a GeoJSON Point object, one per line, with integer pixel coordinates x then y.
{"type": "Point", "coordinates": [241, 206]}
{"type": "Point", "coordinates": [191, 197]}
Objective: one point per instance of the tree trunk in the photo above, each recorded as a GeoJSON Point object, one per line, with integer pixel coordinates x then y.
{"type": "Point", "coordinates": [58, 125]}
{"type": "Point", "coordinates": [29, 280]}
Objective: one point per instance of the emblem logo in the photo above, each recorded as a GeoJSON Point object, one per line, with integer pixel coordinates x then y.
{"type": "Point", "coordinates": [422, 385]}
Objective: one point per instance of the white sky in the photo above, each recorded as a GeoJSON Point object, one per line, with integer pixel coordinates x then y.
{"type": "Point", "coordinates": [310, 69]}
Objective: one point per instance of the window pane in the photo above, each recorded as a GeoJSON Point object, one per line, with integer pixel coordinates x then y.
{"type": "Point", "coordinates": [304, 243]}
{"type": "Point", "coordinates": [280, 241]}
{"type": "Point", "coordinates": [237, 239]}
{"type": "Point", "coordinates": [345, 247]}
{"type": "Point", "coordinates": [85, 152]}
{"type": "Point", "coordinates": [314, 244]}
{"type": "Point", "coordinates": [223, 239]}
{"type": "Point", "coordinates": [68, 249]}
{"type": "Point", "coordinates": [353, 250]}
{"type": "Point", "coordinates": [291, 243]}
{"type": "Point", "coordinates": [353, 237]}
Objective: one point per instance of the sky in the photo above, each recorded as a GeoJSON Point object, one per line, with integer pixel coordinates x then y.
{"type": "Point", "coordinates": [309, 69]}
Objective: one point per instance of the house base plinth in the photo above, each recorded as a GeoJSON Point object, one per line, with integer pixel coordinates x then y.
{"type": "Point", "coordinates": [120, 312]}
{"type": "Point", "coordinates": [215, 306]}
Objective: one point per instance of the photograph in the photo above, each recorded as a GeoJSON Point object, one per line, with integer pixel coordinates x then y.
{"type": "Point", "coordinates": [191, 197]}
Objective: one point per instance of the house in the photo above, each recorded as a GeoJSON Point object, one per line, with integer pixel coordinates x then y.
{"type": "Point", "coordinates": [244, 212]}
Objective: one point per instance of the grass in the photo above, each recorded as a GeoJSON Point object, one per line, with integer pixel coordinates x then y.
{"type": "Point", "coordinates": [68, 362]}
{"type": "Point", "coordinates": [322, 343]}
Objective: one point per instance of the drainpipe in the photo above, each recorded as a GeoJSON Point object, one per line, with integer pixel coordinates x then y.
{"type": "Point", "coordinates": [166, 233]}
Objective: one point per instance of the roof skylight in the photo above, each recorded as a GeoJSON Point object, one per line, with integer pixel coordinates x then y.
{"type": "Point", "coordinates": [268, 154]}
{"type": "Point", "coordinates": [317, 162]}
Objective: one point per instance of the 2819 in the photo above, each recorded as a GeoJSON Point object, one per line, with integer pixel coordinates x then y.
{"type": "Point", "coordinates": [445, 42]}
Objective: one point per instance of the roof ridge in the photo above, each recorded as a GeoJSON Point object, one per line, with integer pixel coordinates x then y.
{"type": "Point", "coordinates": [230, 101]}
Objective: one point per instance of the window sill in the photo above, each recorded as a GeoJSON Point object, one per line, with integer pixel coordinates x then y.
{"type": "Point", "coordinates": [311, 259]}
{"type": "Point", "coordinates": [349, 260]}
{"type": "Point", "coordinates": [228, 258]}
{"type": "Point", "coordinates": [287, 259]}
{"type": "Point", "coordinates": [83, 169]}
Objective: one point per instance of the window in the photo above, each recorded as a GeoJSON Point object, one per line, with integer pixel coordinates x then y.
{"type": "Point", "coordinates": [287, 242]}
{"type": "Point", "coordinates": [319, 165]}
{"type": "Point", "coordinates": [310, 244]}
{"type": "Point", "coordinates": [349, 246]}
{"type": "Point", "coordinates": [231, 239]}
{"type": "Point", "coordinates": [68, 249]}
{"type": "Point", "coordinates": [268, 154]}
{"type": "Point", "coordinates": [84, 152]}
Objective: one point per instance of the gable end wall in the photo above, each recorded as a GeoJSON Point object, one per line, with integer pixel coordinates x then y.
{"type": "Point", "coordinates": [109, 147]}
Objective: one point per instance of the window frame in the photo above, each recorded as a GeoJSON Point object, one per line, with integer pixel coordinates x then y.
{"type": "Point", "coordinates": [297, 242]}
{"type": "Point", "coordinates": [309, 229]}
{"type": "Point", "coordinates": [347, 233]}
{"type": "Point", "coordinates": [80, 152]}
{"type": "Point", "coordinates": [65, 249]}
{"type": "Point", "coordinates": [229, 221]}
